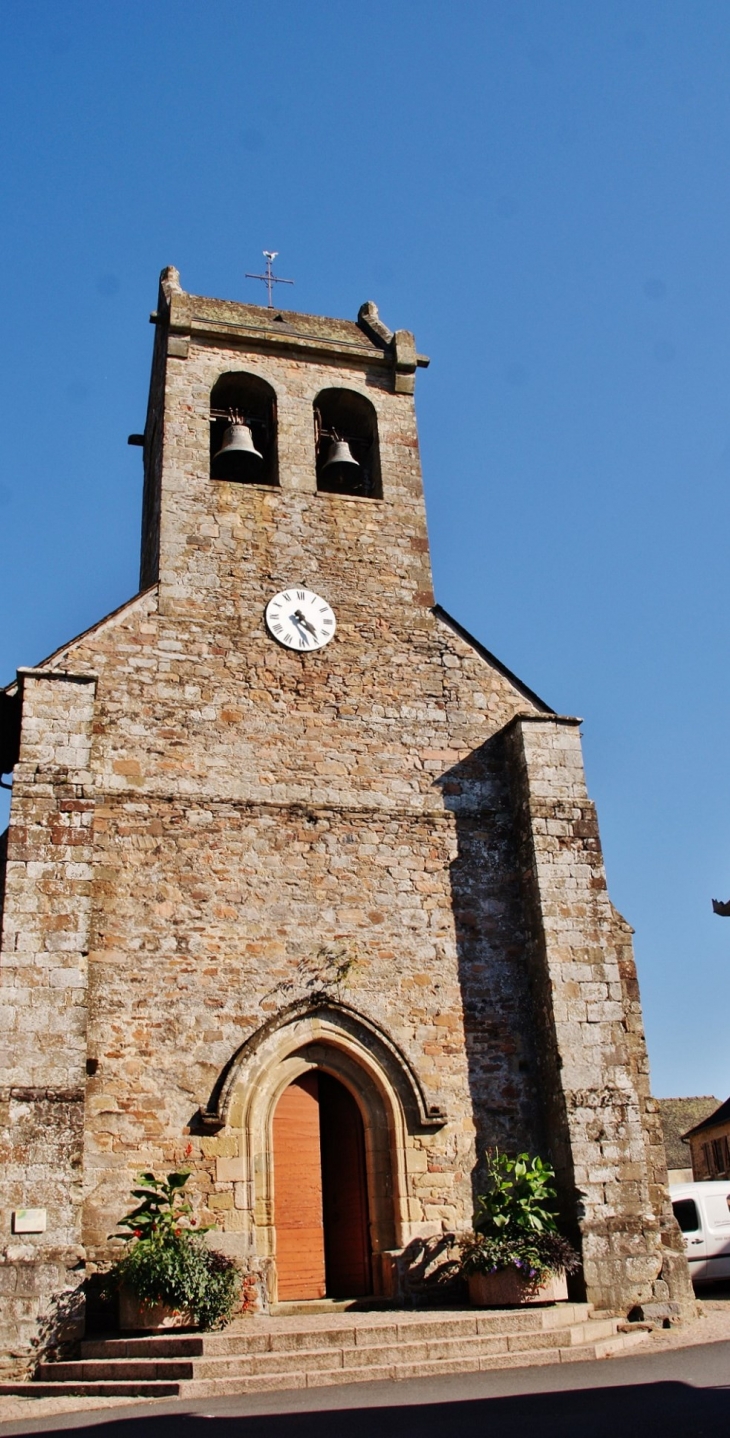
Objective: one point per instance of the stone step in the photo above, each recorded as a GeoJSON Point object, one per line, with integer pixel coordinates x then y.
{"type": "Point", "coordinates": [427, 1348]}
{"type": "Point", "coordinates": [262, 1355]}
{"type": "Point", "coordinates": [185, 1345]}
{"type": "Point", "coordinates": [592, 1330]}
{"type": "Point", "coordinates": [397, 1372]}
{"type": "Point", "coordinates": [603, 1348]}
{"type": "Point", "coordinates": [347, 1356]}
{"type": "Point", "coordinates": [292, 1308]}
{"type": "Point", "coordinates": [133, 1389]}
{"type": "Point", "coordinates": [205, 1375]}
{"type": "Point", "coordinates": [255, 1334]}
{"type": "Point", "coordinates": [346, 1360]}
{"type": "Point", "coordinates": [115, 1370]}
{"type": "Point", "coordinates": [555, 1315]}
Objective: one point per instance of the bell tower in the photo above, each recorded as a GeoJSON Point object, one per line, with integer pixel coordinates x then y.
{"type": "Point", "coordinates": [280, 447]}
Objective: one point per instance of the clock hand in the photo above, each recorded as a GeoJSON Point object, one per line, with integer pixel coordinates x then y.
{"type": "Point", "coordinates": [298, 615]}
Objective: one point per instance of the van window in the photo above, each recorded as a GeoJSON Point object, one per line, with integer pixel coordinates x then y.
{"type": "Point", "coordinates": [718, 1212]}
{"type": "Point", "coordinates": [685, 1212]}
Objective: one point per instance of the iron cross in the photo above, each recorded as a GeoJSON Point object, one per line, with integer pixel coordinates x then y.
{"type": "Point", "coordinates": [269, 279]}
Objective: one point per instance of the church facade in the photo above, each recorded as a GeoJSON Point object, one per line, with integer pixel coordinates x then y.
{"type": "Point", "coordinates": [302, 889]}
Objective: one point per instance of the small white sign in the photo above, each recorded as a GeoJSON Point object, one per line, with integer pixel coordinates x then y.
{"type": "Point", "coordinates": [29, 1220]}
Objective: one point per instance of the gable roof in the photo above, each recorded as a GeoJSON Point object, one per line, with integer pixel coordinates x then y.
{"type": "Point", "coordinates": [491, 659]}
{"type": "Point", "coordinates": [366, 338]}
{"type": "Point", "coordinates": [109, 619]}
{"type": "Point", "coordinates": [721, 1115]}
{"type": "Point", "coordinates": [677, 1116]}
{"type": "Point", "coordinates": [279, 323]}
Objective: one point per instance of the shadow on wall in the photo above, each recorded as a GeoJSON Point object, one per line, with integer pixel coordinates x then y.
{"type": "Point", "coordinates": [510, 1044]}
{"type": "Point", "coordinates": [492, 950]}
{"type": "Point", "coordinates": [3, 868]}
{"type": "Point", "coordinates": [673, 1409]}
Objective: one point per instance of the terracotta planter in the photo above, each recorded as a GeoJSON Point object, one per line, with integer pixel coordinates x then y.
{"type": "Point", "coordinates": [509, 1288]}
{"type": "Point", "coordinates": [135, 1313]}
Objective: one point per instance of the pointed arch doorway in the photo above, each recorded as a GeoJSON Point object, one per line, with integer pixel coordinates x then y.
{"type": "Point", "coordinates": [321, 1212]}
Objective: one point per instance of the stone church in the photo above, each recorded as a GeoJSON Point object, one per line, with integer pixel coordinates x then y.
{"type": "Point", "coordinates": [302, 888]}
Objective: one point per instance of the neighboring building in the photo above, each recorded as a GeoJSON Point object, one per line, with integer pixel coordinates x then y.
{"type": "Point", "coordinates": [677, 1115]}
{"type": "Point", "coordinates": [320, 914]}
{"type": "Point", "coordinates": [709, 1143]}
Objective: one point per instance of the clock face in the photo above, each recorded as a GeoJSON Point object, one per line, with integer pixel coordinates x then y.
{"type": "Point", "coordinates": [300, 619]}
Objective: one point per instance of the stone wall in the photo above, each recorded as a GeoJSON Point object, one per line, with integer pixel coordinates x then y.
{"type": "Point", "coordinates": [602, 1124]}
{"type": "Point", "coordinates": [212, 908]}
{"type": "Point", "coordinates": [43, 964]}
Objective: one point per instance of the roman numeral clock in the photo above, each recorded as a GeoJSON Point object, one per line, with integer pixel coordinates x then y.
{"type": "Point", "coordinates": [300, 619]}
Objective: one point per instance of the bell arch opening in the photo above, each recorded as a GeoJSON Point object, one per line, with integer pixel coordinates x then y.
{"type": "Point", "coordinates": [346, 444]}
{"type": "Point", "coordinates": [243, 445]}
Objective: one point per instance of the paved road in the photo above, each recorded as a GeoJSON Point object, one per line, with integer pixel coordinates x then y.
{"type": "Point", "coordinates": [680, 1394]}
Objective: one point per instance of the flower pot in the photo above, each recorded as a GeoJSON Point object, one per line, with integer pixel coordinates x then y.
{"type": "Point", "coordinates": [136, 1313]}
{"type": "Point", "coordinates": [510, 1287]}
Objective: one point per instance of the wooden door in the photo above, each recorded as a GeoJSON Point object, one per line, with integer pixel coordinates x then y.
{"type": "Point", "coordinates": [344, 1189]}
{"type": "Point", "coordinates": [320, 1192]}
{"type": "Point", "coordinates": [298, 1213]}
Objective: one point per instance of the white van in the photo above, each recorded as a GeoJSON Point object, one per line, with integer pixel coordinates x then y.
{"type": "Point", "coordinates": [702, 1211]}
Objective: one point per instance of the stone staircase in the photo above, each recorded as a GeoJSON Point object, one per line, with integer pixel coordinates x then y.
{"type": "Point", "coordinates": [308, 1351]}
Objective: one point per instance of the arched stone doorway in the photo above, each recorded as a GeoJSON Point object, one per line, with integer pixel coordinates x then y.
{"type": "Point", "coordinates": [327, 1038]}
{"type": "Point", "coordinates": [321, 1208]}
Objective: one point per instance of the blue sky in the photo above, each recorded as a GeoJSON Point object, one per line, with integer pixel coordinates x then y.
{"type": "Point", "coordinates": [540, 191]}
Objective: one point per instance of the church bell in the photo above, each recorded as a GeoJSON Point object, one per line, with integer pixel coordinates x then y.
{"type": "Point", "coordinates": [340, 463]}
{"type": "Point", "coordinates": [238, 457]}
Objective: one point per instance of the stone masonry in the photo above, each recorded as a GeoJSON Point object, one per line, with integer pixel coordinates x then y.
{"type": "Point", "coordinates": [228, 862]}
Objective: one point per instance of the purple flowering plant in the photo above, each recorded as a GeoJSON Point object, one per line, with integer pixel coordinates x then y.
{"type": "Point", "coordinates": [515, 1222]}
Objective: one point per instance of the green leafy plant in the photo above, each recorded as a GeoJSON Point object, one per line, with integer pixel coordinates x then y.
{"type": "Point", "coordinates": [519, 1196]}
{"type": "Point", "coordinates": [163, 1209]}
{"type": "Point", "coordinates": [515, 1222]}
{"type": "Point", "coordinates": [167, 1261]}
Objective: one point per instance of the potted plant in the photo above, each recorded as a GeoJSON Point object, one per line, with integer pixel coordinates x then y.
{"type": "Point", "coordinates": [168, 1277]}
{"type": "Point", "coordinates": [515, 1254]}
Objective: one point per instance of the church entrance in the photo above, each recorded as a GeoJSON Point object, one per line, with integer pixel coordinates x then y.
{"type": "Point", "coordinates": [320, 1192]}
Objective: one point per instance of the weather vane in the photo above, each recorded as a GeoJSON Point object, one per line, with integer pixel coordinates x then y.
{"type": "Point", "coordinates": [269, 279]}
